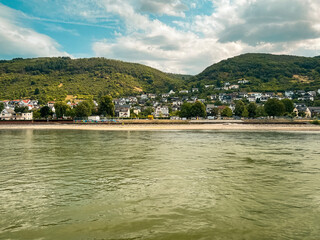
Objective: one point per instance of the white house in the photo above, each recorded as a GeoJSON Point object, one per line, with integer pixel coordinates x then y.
{"type": "Point", "coordinates": [243, 81]}
{"type": "Point", "coordinates": [7, 114]}
{"type": "Point", "coordinates": [184, 91]}
{"type": "Point", "coordinates": [24, 116]}
{"type": "Point", "coordinates": [152, 96]}
{"type": "Point", "coordinates": [288, 93]}
{"type": "Point", "coordinates": [144, 96]}
{"type": "Point", "coordinates": [94, 118]}
{"type": "Point", "coordinates": [124, 113]}
{"type": "Point", "coordinates": [195, 89]}
{"type": "Point", "coordinates": [161, 111]}
{"type": "Point", "coordinates": [234, 87]}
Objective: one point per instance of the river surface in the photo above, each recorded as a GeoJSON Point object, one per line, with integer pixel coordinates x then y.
{"type": "Point", "coordinates": [69, 184]}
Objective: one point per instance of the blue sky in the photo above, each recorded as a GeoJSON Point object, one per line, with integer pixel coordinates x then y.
{"type": "Point", "coordinates": [172, 35]}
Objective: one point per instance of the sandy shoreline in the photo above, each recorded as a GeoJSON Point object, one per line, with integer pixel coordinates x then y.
{"type": "Point", "coordinates": [157, 127]}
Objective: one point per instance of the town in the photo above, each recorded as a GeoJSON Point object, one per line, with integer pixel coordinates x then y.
{"type": "Point", "coordinates": [227, 102]}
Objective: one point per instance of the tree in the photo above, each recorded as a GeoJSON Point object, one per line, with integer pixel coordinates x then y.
{"type": "Point", "coordinates": [20, 109]}
{"type": "Point", "coordinates": [198, 109]}
{"type": "Point", "coordinates": [61, 109]}
{"type": "Point", "coordinates": [316, 103]}
{"type": "Point", "coordinates": [185, 111]}
{"type": "Point", "coordinates": [36, 91]}
{"type": "Point", "coordinates": [132, 114]}
{"type": "Point", "coordinates": [218, 103]}
{"type": "Point", "coordinates": [84, 109]}
{"type": "Point", "coordinates": [252, 109]}
{"type": "Point", "coordinates": [288, 105]}
{"type": "Point", "coordinates": [45, 112]}
{"type": "Point", "coordinates": [71, 112]}
{"type": "Point", "coordinates": [239, 108]}
{"type": "Point", "coordinates": [260, 112]}
{"type": "Point", "coordinates": [1, 106]}
{"type": "Point", "coordinates": [274, 107]}
{"type": "Point", "coordinates": [106, 106]}
{"type": "Point", "coordinates": [147, 111]}
{"type": "Point", "coordinates": [214, 111]}
{"type": "Point", "coordinates": [245, 112]}
{"type": "Point", "coordinates": [226, 112]}
{"type": "Point", "coordinates": [36, 114]}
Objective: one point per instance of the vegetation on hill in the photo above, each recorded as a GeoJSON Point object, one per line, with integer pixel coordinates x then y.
{"type": "Point", "coordinates": [49, 79]}
{"type": "Point", "coordinates": [266, 72]}
{"type": "Point", "coordinates": [55, 78]}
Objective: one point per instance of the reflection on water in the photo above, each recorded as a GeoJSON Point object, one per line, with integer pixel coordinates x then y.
{"type": "Point", "coordinates": [61, 184]}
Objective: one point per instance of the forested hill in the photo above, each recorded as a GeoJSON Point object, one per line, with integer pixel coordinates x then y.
{"type": "Point", "coordinates": [265, 72]}
{"type": "Point", "coordinates": [55, 78]}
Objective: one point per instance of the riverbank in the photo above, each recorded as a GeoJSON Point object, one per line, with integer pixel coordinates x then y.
{"type": "Point", "coordinates": [156, 127]}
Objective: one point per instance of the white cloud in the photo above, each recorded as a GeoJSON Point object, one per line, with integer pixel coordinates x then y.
{"type": "Point", "coordinates": [190, 42]}
{"type": "Point", "coordinates": [235, 27]}
{"type": "Point", "coordinates": [166, 7]}
{"type": "Point", "coordinates": [256, 21]}
{"type": "Point", "coordinates": [16, 40]}
{"type": "Point", "coordinates": [158, 45]}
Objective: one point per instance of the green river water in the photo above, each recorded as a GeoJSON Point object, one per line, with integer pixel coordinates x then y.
{"type": "Point", "coordinates": [69, 184]}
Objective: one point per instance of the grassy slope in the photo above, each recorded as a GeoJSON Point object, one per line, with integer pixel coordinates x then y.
{"type": "Point", "coordinates": [57, 77]}
{"type": "Point", "coordinates": [266, 72]}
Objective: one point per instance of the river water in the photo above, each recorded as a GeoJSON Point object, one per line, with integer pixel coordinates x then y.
{"type": "Point", "coordinates": [69, 184]}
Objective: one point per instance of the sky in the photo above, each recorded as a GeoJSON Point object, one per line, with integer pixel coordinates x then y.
{"type": "Point", "coordinates": [176, 36]}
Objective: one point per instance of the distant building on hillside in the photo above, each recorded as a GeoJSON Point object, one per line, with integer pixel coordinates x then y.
{"type": "Point", "coordinates": [161, 111]}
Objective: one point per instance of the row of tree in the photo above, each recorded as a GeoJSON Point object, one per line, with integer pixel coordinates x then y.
{"type": "Point", "coordinates": [83, 109]}
{"type": "Point", "coordinates": [273, 107]}
{"type": "Point", "coordinates": [189, 110]}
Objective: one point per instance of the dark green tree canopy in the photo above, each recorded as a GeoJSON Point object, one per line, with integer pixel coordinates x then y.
{"type": "Point", "coordinates": [185, 111]}
{"type": "Point", "coordinates": [288, 105]}
{"type": "Point", "coordinates": [198, 109]}
{"type": "Point", "coordinates": [239, 108]}
{"type": "Point", "coordinates": [274, 107]}
{"type": "Point", "coordinates": [1, 106]}
{"type": "Point", "coordinates": [260, 112]}
{"type": "Point", "coordinates": [245, 112]}
{"type": "Point", "coordinates": [21, 109]}
{"type": "Point", "coordinates": [84, 109]}
{"type": "Point", "coordinates": [252, 109]}
{"type": "Point", "coordinates": [61, 109]}
{"type": "Point", "coordinates": [106, 106]}
{"type": "Point", "coordinates": [45, 112]}
{"type": "Point", "coordinates": [226, 112]}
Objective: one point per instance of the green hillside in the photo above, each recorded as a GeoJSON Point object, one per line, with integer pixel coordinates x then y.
{"type": "Point", "coordinates": [265, 72]}
{"type": "Point", "coordinates": [55, 78]}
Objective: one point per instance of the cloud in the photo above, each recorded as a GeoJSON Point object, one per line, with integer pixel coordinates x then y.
{"type": "Point", "coordinates": [166, 7]}
{"type": "Point", "coordinates": [156, 44]}
{"type": "Point", "coordinates": [174, 35]}
{"type": "Point", "coordinates": [16, 40]}
{"type": "Point", "coordinates": [256, 21]}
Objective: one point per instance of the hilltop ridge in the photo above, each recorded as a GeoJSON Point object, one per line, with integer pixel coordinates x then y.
{"type": "Point", "coordinates": [55, 78]}
{"type": "Point", "coordinates": [266, 72]}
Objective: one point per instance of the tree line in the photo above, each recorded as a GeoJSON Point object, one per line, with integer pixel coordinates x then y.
{"type": "Point", "coordinates": [273, 107]}
{"type": "Point", "coordinates": [82, 110]}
